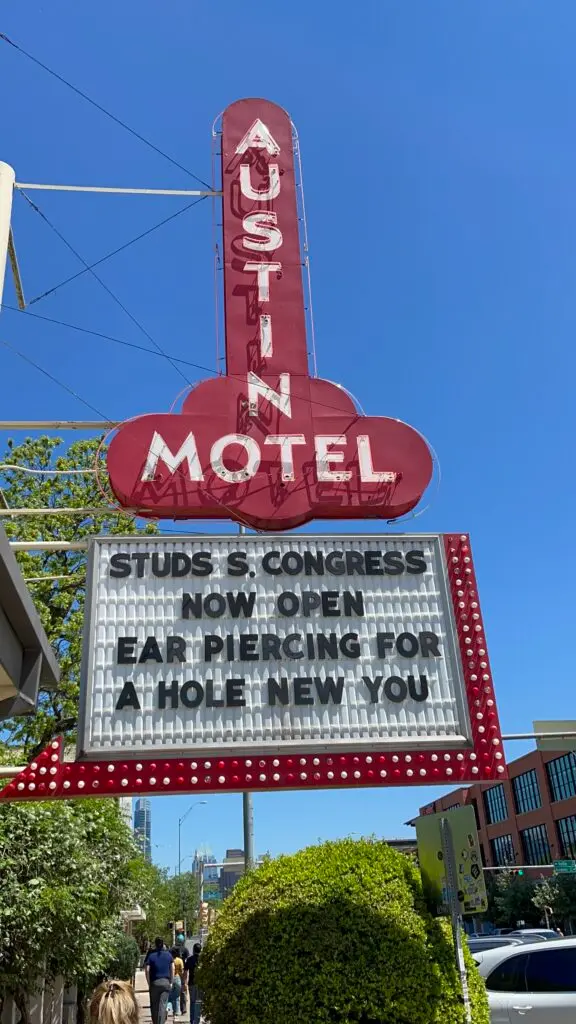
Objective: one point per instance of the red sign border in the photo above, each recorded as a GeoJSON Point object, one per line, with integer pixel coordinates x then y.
{"type": "Point", "coordinates": [50, 777]}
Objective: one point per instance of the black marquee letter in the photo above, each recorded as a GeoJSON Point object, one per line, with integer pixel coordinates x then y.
{"type": "Point", "coordinates": [128, 698]}
{"type": "Point", "coordinates": [125, 650]}
{"type": "Point", "coordinates": [150, 651]}
{"type": "Point", "coordinates": [395, 689]}
{"type": "Point", "coordinates": [192, 702]}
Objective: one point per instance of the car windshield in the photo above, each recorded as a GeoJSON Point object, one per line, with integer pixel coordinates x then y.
{"type": "Point", "coordinates": [478, 945]}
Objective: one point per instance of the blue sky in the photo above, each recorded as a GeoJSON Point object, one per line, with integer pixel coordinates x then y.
{"type": "Point", "coordinates": [440, 169]}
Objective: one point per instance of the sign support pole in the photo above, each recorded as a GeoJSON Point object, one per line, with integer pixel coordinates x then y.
{"type": "Point", "coordinates": [454, 906]}
{"type": "Point", "coordinates": [248, 811]}
{"type": "Point", "coordinates": [248, 807]}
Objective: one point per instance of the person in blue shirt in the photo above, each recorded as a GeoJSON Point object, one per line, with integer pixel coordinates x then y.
{"type": "Point", "coordinates": [159, 969]}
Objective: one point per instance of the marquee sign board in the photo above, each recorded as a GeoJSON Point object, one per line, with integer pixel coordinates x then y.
{"type": "Point", "coordinates": [393, 685]}
{"type": "Point", "coordinates": [266, 444]}
{"type": "Point", "coordinates": [252, 645]}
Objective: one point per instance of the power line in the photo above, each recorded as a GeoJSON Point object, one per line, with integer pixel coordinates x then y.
{"type": "Point", "coordinates": [164, 355]}
{"type": "Point", "coordinates": [98, 334]}
{"type": "Point", "coordinates": [109, 291]}
{"type": "Point", "coordinates": [103, 110]}
{"type": "Point", "coordinates": [52, 378]}
{"type": "Point", "coordinates": [115, 252]}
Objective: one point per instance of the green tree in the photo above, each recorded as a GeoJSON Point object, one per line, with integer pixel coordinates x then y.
{"type": "Point", "coordinates": [557, 893]}
{"type": "Point", "coordinates": [59, 601]}
{"type": "Point", "coordinates": [513, 900]}
{"type": "Point", "coordinates": [334, 934]}
{"type": "Point", "coordinates": [68, 869]}
{"type": "Point", "coordinates": [171, 899]}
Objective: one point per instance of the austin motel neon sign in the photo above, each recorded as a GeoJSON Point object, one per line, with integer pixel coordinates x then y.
{"type": "Point", "coordinates": [266, 444]}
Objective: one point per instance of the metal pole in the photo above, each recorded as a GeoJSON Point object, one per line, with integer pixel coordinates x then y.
{"type": "Point", "coordinates": [179, 850]}
{"type": "Point", "coordinates": [248, 812]}
{"type": "Point", "coordinates": [117, 191]}
{"type": "Point", "coordinates": [454, 906]}
{"type": "Point", "coordinates": [248, 808]}
{"type": "Point", "coordinates": [7, 178]}
{"type": "Point", "coordinates": [49, 545]}
{"type": "Point", "coordinates": [102, 425]}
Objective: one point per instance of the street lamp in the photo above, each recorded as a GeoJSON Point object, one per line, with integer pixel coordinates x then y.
{"type": "Point", "coordinates": [180, 820]}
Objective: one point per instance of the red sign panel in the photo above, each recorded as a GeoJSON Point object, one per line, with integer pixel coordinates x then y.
{"type": "Point", "coordinates": [267, 444]}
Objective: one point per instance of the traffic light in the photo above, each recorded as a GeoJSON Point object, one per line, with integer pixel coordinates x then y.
{"type": "Point", "coordinates": [204, 909]}
{"type": "Point", "coordinates": [520, 872]}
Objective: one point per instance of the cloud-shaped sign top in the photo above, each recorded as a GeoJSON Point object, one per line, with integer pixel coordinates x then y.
{"type": "Point", "coordinates": [267, 444]}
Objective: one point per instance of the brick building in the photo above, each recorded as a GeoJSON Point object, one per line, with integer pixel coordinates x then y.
{"type": "Point", "coordinates": [529, 818]}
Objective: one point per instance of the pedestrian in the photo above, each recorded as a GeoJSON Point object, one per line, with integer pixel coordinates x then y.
{"type": "Point", "coordinates": [189, 980]}
{"type": "Point", "coordinates": [559, 933]}
{"type": "Point", "coordinates": [114, 1002]}
{"type": "Point", "coordinates": [159, 969]}
{"type": "Point", "coordinates": [177, 982]}
{"type": "Point", "coordinates": [183, 953]}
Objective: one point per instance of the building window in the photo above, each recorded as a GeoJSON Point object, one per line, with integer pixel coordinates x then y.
{"type": "Point", "coordinates": [502, 850]}
{"type": "Point", "coordinates": [495, 804]}
{"type": "Point", "coordinates": [562, 776]}
{"type": "Point", "coordinates": [526, 792]}
{"type": "Point", "coordinates": [535, 845]}
{"type": "Point", "coordinates": [567, 833]}
{"type": "Point", "coordinates": [452, 807]}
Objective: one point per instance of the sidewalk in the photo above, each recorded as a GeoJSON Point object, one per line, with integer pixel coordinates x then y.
{"type": "Point", "coordinates": [141, 989]}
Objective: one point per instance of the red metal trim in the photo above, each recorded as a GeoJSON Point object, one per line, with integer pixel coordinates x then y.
{"type": "Point", "coordinates": [49, 777]}
{"type": "Point", "coordinates": [486, 732]}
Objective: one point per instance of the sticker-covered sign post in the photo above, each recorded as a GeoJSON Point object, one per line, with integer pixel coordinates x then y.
{"type": "Point", "coordinates": [452, 875]}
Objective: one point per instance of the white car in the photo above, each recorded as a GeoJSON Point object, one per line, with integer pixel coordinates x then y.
{"type": "Point", "coordinates": [531, 934]}
{"type": "Point", "coordinates": [535, 981]}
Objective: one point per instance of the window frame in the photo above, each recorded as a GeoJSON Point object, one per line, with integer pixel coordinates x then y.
{"type": "Point", "coordinates": [561, 778]}
{"type": "Point", "coordinates": [541, 830]}
{"type": "Point", "coordinates": [569, 852]}
{"type": "Point", "coordinates": [493, 843]}
{"type": "Point", "coordinates": [498, 792]}
{"type": "Point", "coordinates": [525, 787]}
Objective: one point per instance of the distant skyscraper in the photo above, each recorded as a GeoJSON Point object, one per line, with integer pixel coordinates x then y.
{"type": "Point", "coordinates": [203, 858]}
{"type": "Point", "coordinates": [143, 827]}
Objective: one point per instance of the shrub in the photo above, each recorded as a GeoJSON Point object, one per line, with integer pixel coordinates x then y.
{"type": "Point", "coordinates": [334, 934]}
{"type": "Point", "coordinates": [125, 958]}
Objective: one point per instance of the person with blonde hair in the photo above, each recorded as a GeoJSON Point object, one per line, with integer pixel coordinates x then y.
{"type": "Point", "coordinates": [114, 1002]}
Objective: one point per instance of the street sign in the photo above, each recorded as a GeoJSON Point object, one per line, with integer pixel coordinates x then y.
{"type": "Point", "coordinates": [306, 645]}
{"type": "Point", "coordinates": [471, 889]}
{"type": "Point", "coordinates": [266, 444]}
{"type": "Point", "coordinates": [560, 743]}
{"type": "Point", "coordinates": [565, 867]}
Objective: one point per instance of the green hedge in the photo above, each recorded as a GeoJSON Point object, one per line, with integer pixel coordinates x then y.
{"type": "Point", "coordinates": [125, 958]}
{"type": "Point", "coordinates": [335, 934]}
